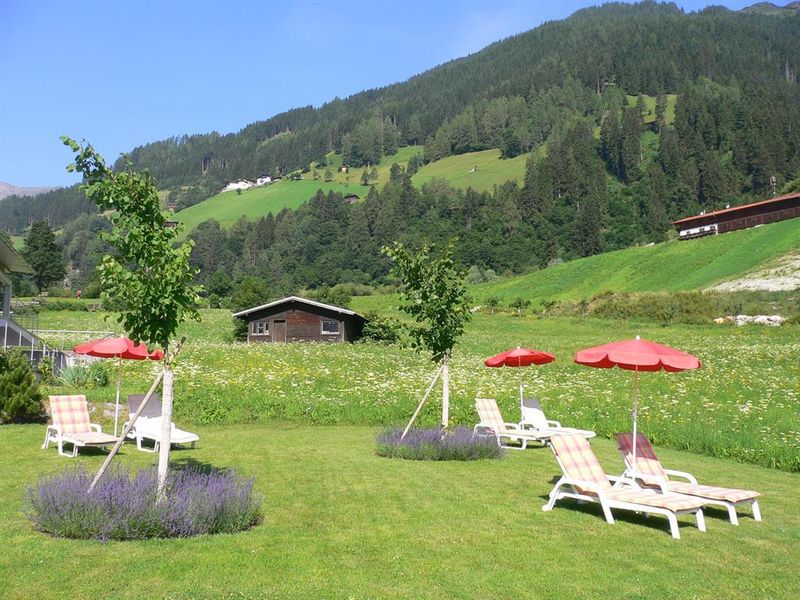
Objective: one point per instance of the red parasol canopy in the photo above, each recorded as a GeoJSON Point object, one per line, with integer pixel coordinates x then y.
{"type": "Point", "coordinates": [637, 355]}
{"type": "Point", "coordinates": [120, 347]}
{"type": "Point", "coordinates": [519, 357]}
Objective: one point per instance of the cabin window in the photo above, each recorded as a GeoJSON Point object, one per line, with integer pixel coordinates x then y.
{"type": "Point", "coordinates": [330, 327]}
{"type": "Point", "coordinates": [261, 328]}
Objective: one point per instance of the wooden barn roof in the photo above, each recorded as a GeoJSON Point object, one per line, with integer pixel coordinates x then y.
{"type": "Point", "coordinates": [734, 209]}
{"type": "Point", "coordinates": [298, 299]}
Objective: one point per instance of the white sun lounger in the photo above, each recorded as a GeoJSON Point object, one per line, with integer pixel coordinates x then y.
{"type": "Point", "coordinates": [148, 425]}
{"type": "Point", "coordinates": [492, 423]}
{"type": "Point", "coordinates": [71, 425]}
{"type": "Point", "coordinates": [584, 480]}
{"type": "Point", "coordinates": [649, 472]}
{"type": "Point", "coordinates": [533, 419]}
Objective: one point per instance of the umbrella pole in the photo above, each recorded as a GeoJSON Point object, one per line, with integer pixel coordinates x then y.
{"type": "Point", "coordinates": [116, 406]}
{"type": "Point", "coordinates": [635, 413]}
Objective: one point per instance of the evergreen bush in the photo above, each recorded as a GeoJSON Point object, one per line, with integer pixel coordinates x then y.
{"type": "Point", "coordinates": [20, 399]}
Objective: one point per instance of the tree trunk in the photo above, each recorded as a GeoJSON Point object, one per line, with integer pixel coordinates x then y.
{"type": "Point", "coordinates": [166, 428]}
{"type": "Point", "coordinates": [445, 391]}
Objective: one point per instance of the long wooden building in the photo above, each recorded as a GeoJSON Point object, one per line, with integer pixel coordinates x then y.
{"type": "Point", "coordinates": [296, 319]}
{"type": "Point", "coordinates": [739, 217]}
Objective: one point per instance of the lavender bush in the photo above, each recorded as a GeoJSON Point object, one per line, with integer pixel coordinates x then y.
{"type": "Point", "coordinates": [124, 507]}
{"type": "Point", "coordinates": [434, 444]}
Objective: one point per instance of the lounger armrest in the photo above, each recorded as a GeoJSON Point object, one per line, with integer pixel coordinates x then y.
{"type": "Point", "coordinates": [96, 427]}
{"type": "Point", "coordinates": [684, 475]}
{"type": "Point", "coordinates": [624, 480]}
{"type": "Point", "coordinates": [512, 426]}
{"type": "Point", "coordinates": [553, 423]}
{"type": "Point", "coordinates": [56, 429]}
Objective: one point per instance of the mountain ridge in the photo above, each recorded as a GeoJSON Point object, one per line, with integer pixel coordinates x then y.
{"type": "Point", "coordinates": [9, 189]}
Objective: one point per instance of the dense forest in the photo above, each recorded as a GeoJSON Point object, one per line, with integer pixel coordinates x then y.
{"type": "Point", "coordinates": [609, 170]}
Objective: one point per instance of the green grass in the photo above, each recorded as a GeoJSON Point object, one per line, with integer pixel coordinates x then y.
{"type": "Point", "coordinates": [334, 162]}
{"type": "Point", "coordinates": [742, 404]}
{"type": "Point", "coordinates": [479, 170]}
{"type": "Point", "coordinates": [228, 207]}
{"type": "Point", "coordinates": [650, 106]}
{"type": "Point", "coordinates": [670, 266]}
{"type": "Point", "coordinates": [17, 241]}
{"type": "Point", "coordinates": [341, 522]}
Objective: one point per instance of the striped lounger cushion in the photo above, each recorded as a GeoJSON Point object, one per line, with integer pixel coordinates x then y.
{"type": "Point", "coordinates": [70, 413]}
{"type": "Point", "coordinates": [648, 465]}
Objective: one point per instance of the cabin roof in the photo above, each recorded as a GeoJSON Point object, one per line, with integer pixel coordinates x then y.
{"type": "Point", "coordinates": [10, 261]}
{"type": "Point", "coordinates": [734, 209]}
{"type": "Point", "coordinates": [290, 299]}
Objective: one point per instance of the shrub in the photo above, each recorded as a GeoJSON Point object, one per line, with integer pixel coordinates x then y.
{"type": "Point", "coordinates": [124, 507]}
{"type": "Point", "coordinates": [239, 333]}
{"type": "Point", "coordinates": [378, 328]}
{"type": "Point", "coordinates": [459, 443]}
{"type": "Point", "coordinates": [98, 374]}
{"type": "Point", "coordinates": [74, 376]}
{"type": "Point", "coordinates": [45, 370]}
{"type": "Point", "coordinates": [20, 399]}
{"type": "Point", "coordinates": [50, 304]}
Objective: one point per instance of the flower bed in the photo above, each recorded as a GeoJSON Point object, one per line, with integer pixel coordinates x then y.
{"type": "Point", "coordinates": [124, 507]}
{"type": "Point", "coordinates": [435, 444]}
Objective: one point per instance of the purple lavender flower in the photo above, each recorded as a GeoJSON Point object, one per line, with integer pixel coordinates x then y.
{"type": "Point", "coordinates": [437, 444]}
{"type": "Point", "coordinates": [124, 506]}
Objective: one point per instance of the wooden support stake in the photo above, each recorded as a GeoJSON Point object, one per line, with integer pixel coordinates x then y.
{"type": "Point", "coordinates": [126, 430]}
{"type": "Point", "coordinates": [422, 402]}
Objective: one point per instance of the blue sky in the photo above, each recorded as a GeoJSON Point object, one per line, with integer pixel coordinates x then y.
{"type": "Point", "coordinates": [121, 74]}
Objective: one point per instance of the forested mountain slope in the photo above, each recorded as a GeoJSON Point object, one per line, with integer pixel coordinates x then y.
{"type": "Point", "coordinates": [512, 93]}
{"type": "Point", "coordinates": [626, 117]}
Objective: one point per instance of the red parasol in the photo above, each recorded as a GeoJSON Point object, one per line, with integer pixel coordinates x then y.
{"type": "Point", "coordinates": [119, 348]}
{"type": "Point", "coordinates": [637, 355]}
{"type": "Point", "coordinates": [519, 357]}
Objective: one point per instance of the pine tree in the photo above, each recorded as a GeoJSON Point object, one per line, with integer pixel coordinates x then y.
{"type": "Point", "coordinates": [631, 144]}
{"type": "Point", "coordinates": [661, 112]}
{"type": "Point", "coordinates": [20, 399]}
{"type": "Point", "coordinates": [43, 255]}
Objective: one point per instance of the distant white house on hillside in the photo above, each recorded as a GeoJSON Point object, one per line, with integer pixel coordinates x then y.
{"type": "Point", "coordinates": [242, 184]}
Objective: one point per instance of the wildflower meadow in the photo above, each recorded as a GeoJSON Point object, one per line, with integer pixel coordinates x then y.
{"type": "Point", "coordinates": [742, 404]}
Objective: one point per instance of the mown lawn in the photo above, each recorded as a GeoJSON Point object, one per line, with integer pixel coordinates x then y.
{"type": "Point", "coordinates": [340, 522]}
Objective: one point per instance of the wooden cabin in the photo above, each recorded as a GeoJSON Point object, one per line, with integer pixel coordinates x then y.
{"type": "Point", "coordinates": [296, 319]}
{"type": "Point", "coordinates": [739, 217]}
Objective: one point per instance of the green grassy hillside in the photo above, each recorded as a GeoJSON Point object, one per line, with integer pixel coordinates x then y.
{"type": "Point", "coordinates": [228, 207]}
{"type": "Point", "coordinates": [670, 266]}
{"type": "Point", "coordinates": [479, 170]}
{"type": "Point", "coordinates": [17, 241]}
{"type": "Point", "coordinates": [353, 176]}
{"type": "Point", "coordinates": [650, 106]}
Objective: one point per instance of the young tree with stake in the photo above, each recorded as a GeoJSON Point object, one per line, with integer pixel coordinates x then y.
{"type": "Point", "coordinates": [149, 275]}
{"type": "Point", "coordinates": [435, 296]}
